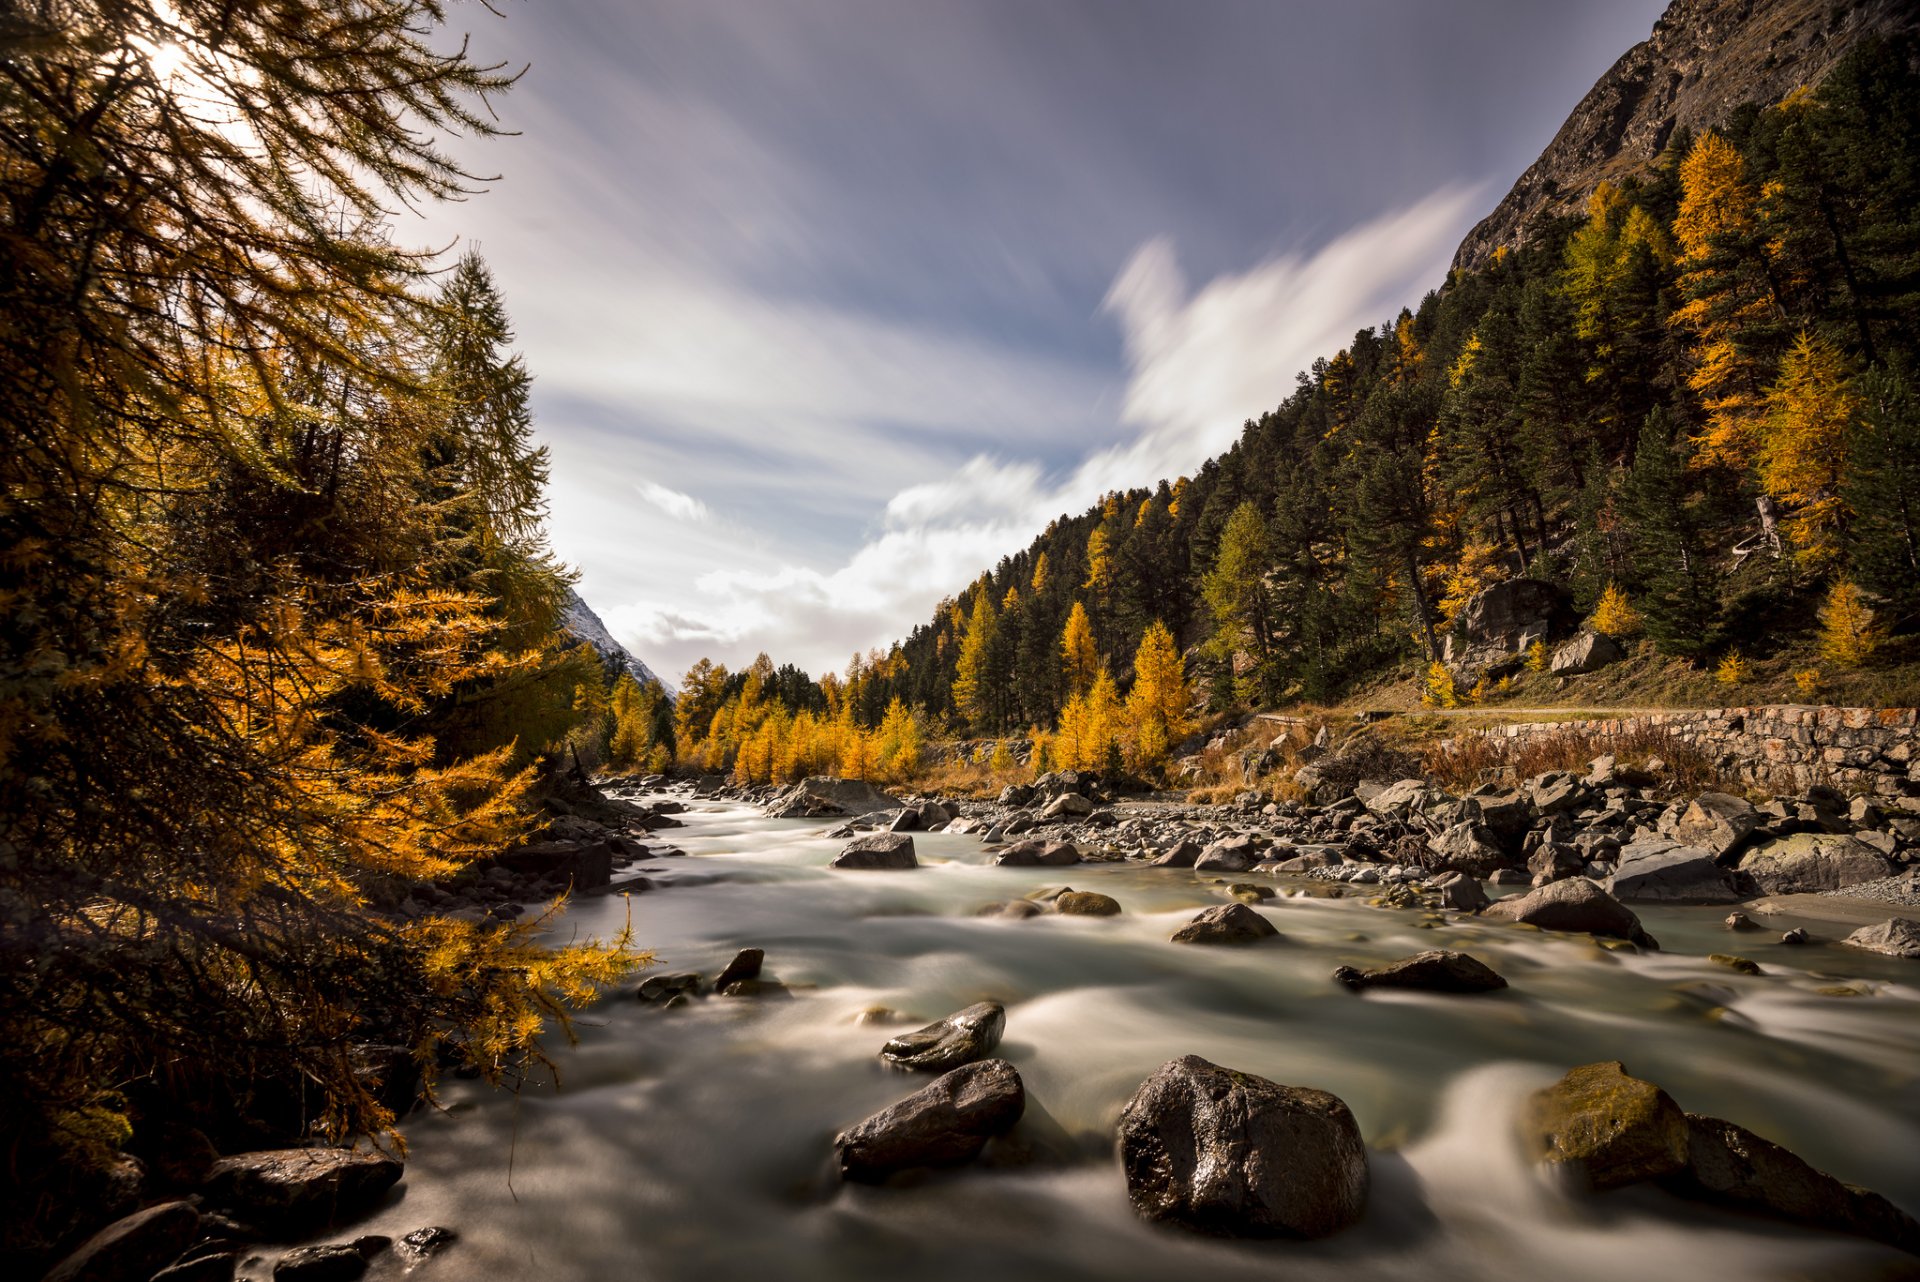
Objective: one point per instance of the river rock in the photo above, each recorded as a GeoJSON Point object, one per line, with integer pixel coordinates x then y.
{"type": "Point", "coordinates": [299, 1190]}
{"type": "Point", "coordinates": [745, 966]}
{"type": "Point", "coordinates": [1469, 848]}
{"type": "Point", "coordinates": [1237, 853]}
{"type": "Point", "coordinates": [1556, 791]}
{"type": "Point", "coordinates": [1575, 904]}
{"type": "Point", "coordinates": [1460, 892]}
{"type": "Point", "coordinates": [423, 1242]}
{"type": "Point", "coordinates": [825, 797]}
{"type": "Point", "coordinates": [1609, 1128]}
{"type": "Point", "coordinates": [1896, 937]}
{"type": "Point", "coordinates": [1038, 854]}
{"type": "Point", "coordinates": [1588, 652]}
{"type": "Point", "coordinates": [586, 865]}
{"type": "Point", "coordinates": [1086, 903]}
{"type": "Point", "coordinates": [132, 1249]}
{"type": "Point", "coordinates": [1812, 861]}
{"type": "Point", "coordinates": [1236, 1155]}
{"type": "Point", "coordinates": [320, 1264]}
{"type": "Point", "coordinates": [1068, 805]}
{"type": "Point", "coordinates": [1654, 869]}
{"type": "Point", "coordinates": [1731, 1165]}
{"type": "Point", "coordinates": [1717, 822]}
{"type": "Point", "coordinates": [944, 1123]}
{"type": "Point", "coordinates": [958, 1039]}
{"type": "Point", "coordinates": [1553, 861]}
{"type": "Point", "coordinates": [1438, 970]}
{"type": "Point", "coordinates": [880, 850]}
{"type": "Point", "coordinates": [1179, 855]}
{"type": "Point", "coordinates": [1404, 798]}
{"type": "Point", "coordinates": [1227, 924]}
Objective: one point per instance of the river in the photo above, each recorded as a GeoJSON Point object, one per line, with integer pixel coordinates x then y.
{"type": "Point", "coordinates": [695, 1145]}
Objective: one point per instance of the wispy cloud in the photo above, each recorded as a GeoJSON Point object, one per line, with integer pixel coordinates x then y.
{"type": "Point", "coordinates": [683, 507]}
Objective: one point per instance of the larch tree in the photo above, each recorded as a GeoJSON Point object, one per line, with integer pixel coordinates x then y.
{"type": "Point", "coordinates": [1803, 453]}
{"type": "Point", "coordinates": [1080, 657]}
{"type": "Point", "coordinates": [974, 692]}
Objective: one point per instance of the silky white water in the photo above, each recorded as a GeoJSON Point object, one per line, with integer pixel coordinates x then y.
{"type": "Point", "coordinates": [695, 1144]}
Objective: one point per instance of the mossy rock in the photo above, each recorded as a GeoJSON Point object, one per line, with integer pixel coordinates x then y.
{"type": "Point", "coordinates": [1612, 1128]}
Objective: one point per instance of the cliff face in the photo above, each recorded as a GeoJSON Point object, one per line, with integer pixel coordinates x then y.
{"type": "Point", "coordinates": [1705, 58]}
{"type": "Point", "coordinates": [579, 620]}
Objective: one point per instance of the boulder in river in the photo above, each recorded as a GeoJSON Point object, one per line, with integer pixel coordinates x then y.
{"type": "Point", "coordinates": [132, 1249]}
{"type": "Point", "coordinates": [1609, 1128]}
{"type": "Point", "coordinates": [944, 1123]}
{"type": "Point", "coordinates": [1086, 903]}
{"type": "Point", "coordinates": [1896, 937]}
{"type": "Point", "coordinates": [1438, 970]}
{"type": "Point", "coordinates": [1227, 924]}
{"type": "Point", "coordinates": [1229, 854]}
{"type": "Point", "coordinates": [880, 850]}
{"type": "Point", "coordinates": [1460, 892]}
{"type": "Point", "coordinates": [1813, 861]}
{"type": "Point", "coordinates": [1038, 854]}
{"type": "Point", "coordinates": [1468, 848]}
{"type": "Point", "coordinates": [1180, 854]}
{"type": "Point", "coordinates": [745, 965]}
{"type": "Point", "coordinates": [1731, 1165]}
{"type": "Point", "coordinates": [960, 1038]}
{"type": "Point", "coordinates": [298, 1190]}
{"type": "Point", "coordinates": [1575, 904]}
{"type": "Point", "coordinates": [825, 797]}
{"type": "Point", "coordinates": [333, 1263]}
{"type": "Point", "coordinates": [1656, 870]}
{"type": "Point", "coordinates": [1232, 1154]}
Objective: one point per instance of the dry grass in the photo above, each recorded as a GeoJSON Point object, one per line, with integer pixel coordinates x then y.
{"type": "Point", "coordinates": [1468, 760]}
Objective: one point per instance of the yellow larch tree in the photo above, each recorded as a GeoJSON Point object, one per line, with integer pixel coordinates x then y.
{"type": "Point", "coordinates": [1078, 651]}
{"type": "Point", "coordinates": [1803, 452]}
{"type": "Point", "coordinates": [1158, 705]}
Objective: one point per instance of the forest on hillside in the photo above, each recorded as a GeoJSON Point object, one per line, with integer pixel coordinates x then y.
{"type": "Point", "coordinates": [1693, 409]}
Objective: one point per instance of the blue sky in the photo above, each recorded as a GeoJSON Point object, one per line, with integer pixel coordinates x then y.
{"type": "Point", "coordinates": [830, 305]}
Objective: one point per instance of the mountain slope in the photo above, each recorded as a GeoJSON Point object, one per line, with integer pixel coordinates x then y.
{"type": "Point", "coordinates": [1704, 58]}
{"type": "Point", "coordinates": [579, 620]}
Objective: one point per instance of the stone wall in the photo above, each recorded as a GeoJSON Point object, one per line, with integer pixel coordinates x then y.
{"type": "Point", "coordinates": [1782, 746]}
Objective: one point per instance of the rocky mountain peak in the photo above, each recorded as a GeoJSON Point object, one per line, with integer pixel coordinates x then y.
{"type": "Point", "coordinates": [1704, 59]}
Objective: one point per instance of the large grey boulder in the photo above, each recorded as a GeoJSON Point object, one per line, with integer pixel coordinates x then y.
{"type": "Point", "coordinates": [960, 1038]}
{"type": "Point", "coordinates": [1610, 1128]}
{"type": "Point", "coordinates": [132, 1249]}
{"type": "Point", "coordinates": [1460, 892]}
{"type": "Point", "coordinates": [1405, 798]}
{"type": "Point", "coordinates": [1896, 937]}
{"type": "Point", "coordinates": [1731, 1165]}
{"type": "Point", "coordinates": [944, 1123]}
{"type": "Point", "coordinates": [879, 850]}
{"type": "Point", "coordinates": [827, 797]}
{"type": "Point", "coordinates": [1227, 924]}
{"type": "Point", "coordinates": [1498, 623]}
{"type": "Point", "coordinates": [1179, 855]}
{"type": "Point", "coordinates": [1588, 652]}
{"type": "Point", "coordinates": [1438, 970]}
{"type": "Point", "coordinates": [1556, 791]}
{"type": "Point", "coordinates": [298, 1190]}
{"type": "Point", "coordinates": [1575, 904]}
{"type": "Point", "coordinates": [1654, 870]}
{"type": "Point", "coordinates": [1068, 805]}
{"type": "Point", "coordinates": [1038, 854]}
{"type": "Point", "coordinates": [1468, 848]}
{"type": "Point", "coordinates": [1228, 1153]}
{"type": "Point", "coordinates": [1717, 822]}
{"type": "Point", "coordinates": [1813, 861]}
{"type": "Point", "coordinates": [1229, 854]}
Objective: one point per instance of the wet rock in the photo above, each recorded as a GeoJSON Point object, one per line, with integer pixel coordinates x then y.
{"type": "Point", "coordinates": [1227, 924]}
{"type": "Point", "coordinates": [320, 1264]}
{"type": "Point", "coordinates": [1739, 965]}
{"type": "Point", "coordinates": [944, 1123]}
{"type": "Point", "coordinates": [298, 1190]}
{"type": "Point", "coordinates": [132, 1249]}
{"type": "Point", "coordinates": [1237, 853]}
{"type": "Point", "coordinates": [882, 850]}
{"type": "Point", "coordinates": [1739, 921]}
{"type": "Point", "coordinates": [745, 965]}
{"type": "Point", "coordinates": [960, 1038]}
{"type": "Point", "coordinates": [1068, 805]}
{"type": "Point", "coordinates": [1611, 1129]}
{"type": "Point", "coordinates": [1438, 970]}
{"type": "Point", "coordinates": [1461, 893]}
{"type": "Point", "coordinates": [423, 1242]}
{"type": "Point", "coordinates": [1575, 904]}
{"type": "Point", "coordinates": [1250, 892]}
{"type": "Point", "coordinates": [1797, 935]}
{"type": "Point", "coordinates": [1717, 822]}
{"type": "Point", "coordinates": [1731, 1165]}
{"type": "Point", "coordinates": [1469, 848]}
{"type": "Point", "coordinates": [1896, 937]}
{"type": "Point", "coordinates": [1655, 870]}
{"type": "Point", "coordinates": [1813, 861]}
{"type": "Point", "coordinates": [1228, 1153]}
{"type": "Point", "coordinates": [1179, 855]}
{"type": "Point", "coordinates": [1038, 854]}
{"type": "Point", "coordinates": [661, 988]}
{"type": "Point", "coordinates": [825, 797]}
{"type": "Point", "coordinates": [1086, 903]}
{"type": "Point", "coordinates": [907, 820]}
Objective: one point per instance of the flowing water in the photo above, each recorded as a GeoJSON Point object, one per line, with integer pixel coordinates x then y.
{"type": "Point", "coordinates": [695, 1144]}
